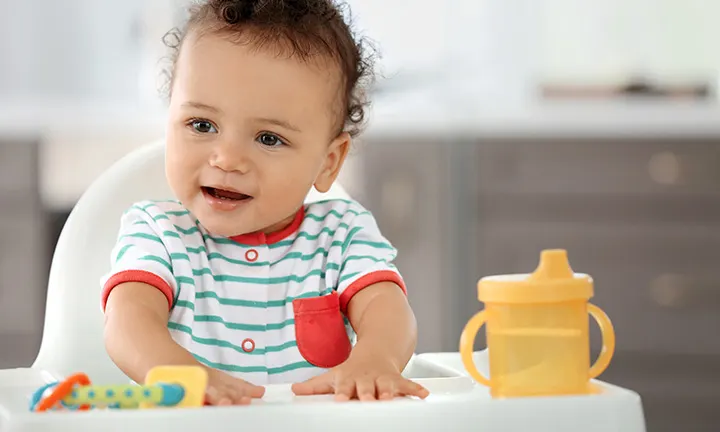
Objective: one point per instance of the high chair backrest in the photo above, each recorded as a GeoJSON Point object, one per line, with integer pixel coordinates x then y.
{"type": "Point", "coordinates": [73, 334]}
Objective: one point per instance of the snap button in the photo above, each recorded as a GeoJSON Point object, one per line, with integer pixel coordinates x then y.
{"type": "Point", "coordinates": [251, 255]}
{"type": "Point", "coordinates": [248, 345]}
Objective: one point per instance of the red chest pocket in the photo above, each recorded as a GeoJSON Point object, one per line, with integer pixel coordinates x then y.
{"type": "Point", "coordinates": [320, 330]}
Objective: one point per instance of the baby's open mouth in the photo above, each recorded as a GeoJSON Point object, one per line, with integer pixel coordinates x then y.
{"type": "Point", "coordinates": [225, 194]}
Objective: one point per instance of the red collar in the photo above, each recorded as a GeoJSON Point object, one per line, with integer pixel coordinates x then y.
{"type": "Point", "coordinates": [260, 238]}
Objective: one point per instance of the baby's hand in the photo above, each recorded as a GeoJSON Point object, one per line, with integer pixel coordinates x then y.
{"type": "Point", "coordinates": [224, 389]}
{"type": "Point", "coordinates": [365, 379]}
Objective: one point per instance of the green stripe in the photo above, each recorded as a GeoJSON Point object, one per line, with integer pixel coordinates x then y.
{"type": "Point", "coordinates": [219, 240]}
{"type": "Point", "coordinates": [171, 234]}
{"type": "Point", "coordinates": [285, 243]}
{"type": "Point", "coordinates": [141, 222]}
{"type": "Point", "coordinates": [161, 217]}
{"type": "Point", "coordinates": [337, 243]}
{"type": "Point", "coordinates": [158, 260]}
{"type": "Point", "coordinates": [143, 236]}
{"type": "Point", "coordinates": [232, 325]}
{"type": "Point", "coordinates": [251, 369]}
{"type": "Point", "coordinates": [363, 257]}
{"type": "Point", "coordinates": [303, 257]}
{"type": "Point", "coordinates": [376, 245]}
{"type": "Point", "coordinates": [325, 230]}
{"type": "Point", "coordinates": [225, 344]}
{"type": "Point", "coordinates": [185, 304]}
{"type": "Point", "coordinates": [197, 250]}
{"type": "Point", "coordinates": [179, 256]}
{"type": "Point", "coordinates": [348, 276]}
{"type": "Point", "coordinates": [185, 280]}
{"type": "Point", "coordinates": [333, 200]}
{"type": "Point", "coordinates": [322, 218]}
{"type": "Point", "coordinates": [178, 212]}
{"type": "Point", "coordinates": [292, 255]}
{"type": "Point", "coordinates": [258, 281]}
{"type": "Point", "coordinates": [145, 207]}
{"type": "Point", "coordinates": [257, 304]}
{"type": "Point", "coordinates": [356, 258]}
{"type": "Point", "coordinates": [139, 208]}
{"type": "Point", "coordinates": [187, 231]}
{"type": "Point", "coordinates": [122, 252]}
{"type": "Point", "coordinates": [215, 255]}
{"type": "Point", "coordinates": [349, 238]}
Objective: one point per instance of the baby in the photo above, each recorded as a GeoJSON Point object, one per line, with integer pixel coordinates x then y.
{"type": "Point", "coordinates": [239, 275]}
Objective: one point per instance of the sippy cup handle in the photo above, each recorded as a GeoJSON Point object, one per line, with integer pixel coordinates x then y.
{"type": "Point", "coordinates": [608, 336]}
{"type": "Point", "coordinates": [467, 340]}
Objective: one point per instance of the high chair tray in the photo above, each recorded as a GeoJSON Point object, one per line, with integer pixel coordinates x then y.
{"type": "Point", "coordinates": [456, 403]}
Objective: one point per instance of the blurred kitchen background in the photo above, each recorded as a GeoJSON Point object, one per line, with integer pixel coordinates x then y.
{"type": "Point", "coordinates": [500, 127]}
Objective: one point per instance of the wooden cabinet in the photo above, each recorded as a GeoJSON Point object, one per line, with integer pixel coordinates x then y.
{"type": "Point", "coordinates": [23, 252]}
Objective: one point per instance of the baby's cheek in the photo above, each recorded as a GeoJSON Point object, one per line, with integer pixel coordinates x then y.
{"type": "Point", "coordinates": [181, 173]}
{"type": "Point", "coordinates": [288, 189]}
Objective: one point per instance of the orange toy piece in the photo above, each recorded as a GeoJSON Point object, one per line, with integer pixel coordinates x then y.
{"type": "Point", "coordinates": [63, 389]}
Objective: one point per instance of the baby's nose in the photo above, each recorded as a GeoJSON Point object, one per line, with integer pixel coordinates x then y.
{"type": "Point", "coordinates": [230, 158]}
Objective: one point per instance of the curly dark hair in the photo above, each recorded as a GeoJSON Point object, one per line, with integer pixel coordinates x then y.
{"type": "Point", "coordinates": [302, 29]}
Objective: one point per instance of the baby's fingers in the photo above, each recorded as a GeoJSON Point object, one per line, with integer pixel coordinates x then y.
{"type": "Point", "coordinates": [406, 387]}
{"type": "Point", "coordinates": [253, 391]}
{"type": "Point", "coordinates": [216, 396]}
{"type": "Point", "coordinates": [365, 389]}
{"type": "Point", "coordinates": [344, 389]}
{"type": "Point", "coordinates": [228, 395]}
{"type": "Point", "coordinates": [321, 384]}
{"type": "Point", "coordinates": [386, 388]}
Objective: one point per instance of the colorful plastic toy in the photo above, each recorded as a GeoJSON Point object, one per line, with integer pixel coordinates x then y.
{"type": "Point", "coordinates": [537, 331]}
{"type": "Point", "coordinates": [167, 386]}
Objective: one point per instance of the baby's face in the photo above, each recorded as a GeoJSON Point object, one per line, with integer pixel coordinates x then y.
{"type": "Point", "coordinates": [249, 133]}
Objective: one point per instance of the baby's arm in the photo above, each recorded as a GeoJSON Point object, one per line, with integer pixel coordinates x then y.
{"type": "Point", "coordinates": [136, 333]}
{"type": "Point", "coordinates": [384, 323]}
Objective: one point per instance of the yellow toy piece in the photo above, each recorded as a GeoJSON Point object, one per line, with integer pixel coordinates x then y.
{"type": "Point", "coordinates": [193, 380]}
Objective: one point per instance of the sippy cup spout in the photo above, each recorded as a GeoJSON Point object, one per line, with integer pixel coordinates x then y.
{"type": "Point", "coordinates": [553, 264]}
{"type": "Point", "coordinates": [553, 281]}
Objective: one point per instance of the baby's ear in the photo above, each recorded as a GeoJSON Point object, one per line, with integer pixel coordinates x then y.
{"type": "Point", "coordinates": [334, 158]}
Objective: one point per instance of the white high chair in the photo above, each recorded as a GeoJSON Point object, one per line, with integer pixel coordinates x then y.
{"type": "Point", "coordinates": [73, 342]}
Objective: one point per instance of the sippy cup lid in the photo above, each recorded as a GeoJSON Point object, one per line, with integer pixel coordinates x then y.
{"type": "Point", "coordinates": [552, 281]}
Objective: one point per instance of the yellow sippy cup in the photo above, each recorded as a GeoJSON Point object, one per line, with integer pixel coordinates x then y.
{"type": "Point", "coordinates": [537, 331]}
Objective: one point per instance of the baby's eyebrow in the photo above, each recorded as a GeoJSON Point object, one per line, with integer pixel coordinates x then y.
{"type": "Point", "coordinates": [277, 122]}
{"type": "Point", "coordinates": [202, 106]}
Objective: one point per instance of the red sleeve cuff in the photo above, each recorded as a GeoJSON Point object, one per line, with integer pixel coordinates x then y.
{"type": "Point", "coordinates": [137, 276]}
{"type": "Point", "coordinates": [366, 281]}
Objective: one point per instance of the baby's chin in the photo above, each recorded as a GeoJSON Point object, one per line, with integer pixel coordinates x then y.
{"type": "Point", "coordinates": [222, 224]}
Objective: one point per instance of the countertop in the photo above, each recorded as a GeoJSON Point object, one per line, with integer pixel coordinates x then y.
{"type": "Point", "coordinates": [431, 111]}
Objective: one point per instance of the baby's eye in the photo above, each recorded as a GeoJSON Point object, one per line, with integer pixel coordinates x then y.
{"type": "Point", "coordinates": [203, 126]}
{"type": "Point", "coordinates": [269, 140]}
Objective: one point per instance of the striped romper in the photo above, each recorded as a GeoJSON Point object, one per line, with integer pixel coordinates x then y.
{"type": "Point", "coordinates": [265, 308]}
